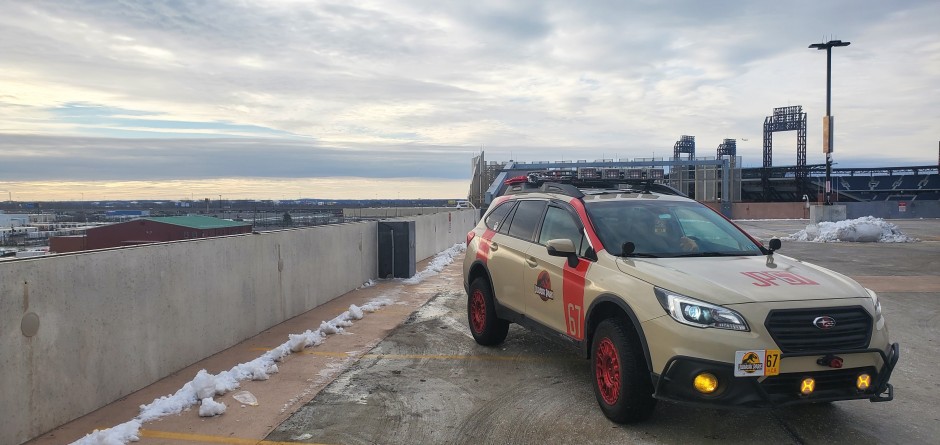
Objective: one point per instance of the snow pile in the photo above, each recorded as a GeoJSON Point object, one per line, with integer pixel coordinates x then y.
{"type": "Point", "coordinates": [211, 408]}
{"type": "Point", "coordinates": [438, 263]}
{"type": "Point", "coordinates": [866, 229]}
{"type": "Point", "coordinates": [204, 386]}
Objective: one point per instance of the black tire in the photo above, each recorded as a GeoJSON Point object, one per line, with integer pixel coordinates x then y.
{"type": "Point", "coordinates": [487, 329]}
{"type": "Point", "coordinates": [622, 383]}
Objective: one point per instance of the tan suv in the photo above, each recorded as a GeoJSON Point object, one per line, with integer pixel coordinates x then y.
{"type": "Point", "coordinates": [671, 301]}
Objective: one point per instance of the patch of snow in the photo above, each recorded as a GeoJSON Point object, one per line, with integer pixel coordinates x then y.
{"type": "Point", "coordinates": [865, 229]}
{"type": "Point", "coordinates": [211, 408]}
{"type": "Point", "coordinates": [369, 283]}
{"type": "Point", "coordinates": [116, 435]}
{"type": "Point", "coordinates": [438, 264]}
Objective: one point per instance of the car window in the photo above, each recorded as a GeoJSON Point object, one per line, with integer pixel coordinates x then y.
{"type": "Point", "coordinates": [695, 224]}
{"type": "Point", "coordinates": [526, 219]}
{"type": "Point", "coordinates": [560, 224]}
{"type": "Point", "coordinates": [504, 226]}
{"type": "Point", "coordinates": [495, 218]}
{"type": "Point", "coordinates": [659, 228]}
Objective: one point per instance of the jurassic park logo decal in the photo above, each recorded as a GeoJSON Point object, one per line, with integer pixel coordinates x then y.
{"type": "Point", "coordinates": [543, 287]}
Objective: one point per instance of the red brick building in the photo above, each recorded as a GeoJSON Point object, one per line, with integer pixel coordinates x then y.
{"type": "Point", "coordinates": [149, 230]}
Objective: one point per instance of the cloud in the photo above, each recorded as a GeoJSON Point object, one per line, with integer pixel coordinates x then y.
{"type": "Point", "coordinates": [393, 89]}
{"type": "Point", "coordinates": [81, 158]}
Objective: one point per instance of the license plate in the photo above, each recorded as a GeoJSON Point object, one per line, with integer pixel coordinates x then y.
{"type": "Point", "coordinates": [756, 363]}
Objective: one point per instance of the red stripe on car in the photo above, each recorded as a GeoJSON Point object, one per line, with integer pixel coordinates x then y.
{"type": "Point", "coordinates": [483, 252]}
{"type": "Point", "coordinates": [588, 226]}
{"type": "Point", "coordinates": [573, 283]}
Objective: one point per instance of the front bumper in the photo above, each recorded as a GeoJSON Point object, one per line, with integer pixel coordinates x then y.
{"type": "Point", "coordinates": [675, 383]}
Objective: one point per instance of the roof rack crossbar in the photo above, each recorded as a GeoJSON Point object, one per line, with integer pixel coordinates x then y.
{"type": "Point", "coordinates": [532, 182]}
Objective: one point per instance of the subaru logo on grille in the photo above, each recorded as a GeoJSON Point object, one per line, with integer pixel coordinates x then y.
{"type": "Point", "coordinates": [825, 322]}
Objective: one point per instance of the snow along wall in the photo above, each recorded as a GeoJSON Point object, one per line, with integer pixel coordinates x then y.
{"type": "Point", "coordinates": [113, 321]}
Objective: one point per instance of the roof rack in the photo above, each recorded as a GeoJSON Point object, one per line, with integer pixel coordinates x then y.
{"type": "Point", "coordinates": [573, 187]}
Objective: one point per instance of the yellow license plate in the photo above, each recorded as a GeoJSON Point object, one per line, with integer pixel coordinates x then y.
{"type": "Point", "coordinates": [772, 362]}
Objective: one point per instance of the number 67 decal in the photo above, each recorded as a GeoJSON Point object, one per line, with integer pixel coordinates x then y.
{"type": "Point", "coordinates": [574, 321]}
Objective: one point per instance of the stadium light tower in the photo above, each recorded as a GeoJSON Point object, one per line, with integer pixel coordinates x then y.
{"type": "Point", "coordinates": [827, 120]}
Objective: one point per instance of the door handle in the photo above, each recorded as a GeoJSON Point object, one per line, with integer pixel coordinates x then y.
{"type": "Point", "coordinates": [494, 247]}
{"type": "Point", "coordinates": [531, 262]}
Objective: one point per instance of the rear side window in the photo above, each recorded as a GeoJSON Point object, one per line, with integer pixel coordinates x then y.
{"type": "Point", "coordinates": [495, 218]}
{"type": "Point", "coordinates": [526, 219]}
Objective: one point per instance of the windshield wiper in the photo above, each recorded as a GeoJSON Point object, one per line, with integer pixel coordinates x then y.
{"type": "Point", "coordinates": [639, 255]}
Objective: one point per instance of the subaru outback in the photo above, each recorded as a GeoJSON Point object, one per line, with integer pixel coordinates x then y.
{"type": "Point", "coordinates": [671, 301]}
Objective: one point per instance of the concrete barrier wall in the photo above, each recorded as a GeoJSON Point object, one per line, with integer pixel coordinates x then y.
{"type": "Point", "coordinates": [394, 212]}
{"type": "Point", "coordinates": [892, 209]}
{"type": "Point", "coordinates": [797, 210]}
{"type": "Point", "coordinates": [440, 231]}
{"type": "Point", "coordinates": [769, 210]}
{"type": "Point", "coordinates": [114, 321]}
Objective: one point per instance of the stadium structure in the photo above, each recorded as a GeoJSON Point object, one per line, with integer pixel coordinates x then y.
{"type": "Point", "coordinates": [721, 179]}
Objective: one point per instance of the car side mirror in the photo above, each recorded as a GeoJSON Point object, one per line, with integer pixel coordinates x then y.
{"type": "Point", "coordinates": [774, 244]}
{"type": "Point", "coordinates": [563, 248]}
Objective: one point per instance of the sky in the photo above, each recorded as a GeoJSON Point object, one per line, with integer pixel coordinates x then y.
{"type": "Point", "coordinates": [276, 99]}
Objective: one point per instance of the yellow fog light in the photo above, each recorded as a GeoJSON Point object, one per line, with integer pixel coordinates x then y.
{"type": "Point", "coordinates": [807, 386]}
{"type": "Point", "coordinates": [706, 383]}
{"type": "Point", "coordinates": [863, 382]}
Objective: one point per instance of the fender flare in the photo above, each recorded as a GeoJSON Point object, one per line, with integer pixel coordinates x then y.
{"type": "Point", "coordinates": [489, 278]}
{"type": "Point", "coordinates": [619, 302]}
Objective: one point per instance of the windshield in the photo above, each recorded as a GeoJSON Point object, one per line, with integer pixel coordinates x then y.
{"type": "Point", "coordinates": [667, 229]}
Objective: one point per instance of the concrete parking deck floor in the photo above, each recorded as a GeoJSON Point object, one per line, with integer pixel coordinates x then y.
{"type": "Point", "coordinates": [411, 373]}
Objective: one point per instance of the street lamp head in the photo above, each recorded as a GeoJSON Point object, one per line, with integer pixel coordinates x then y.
{"type": "Point", "coordinates": [830, 44]}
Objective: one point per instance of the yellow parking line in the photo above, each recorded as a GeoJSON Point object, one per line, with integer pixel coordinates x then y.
{"type": "Point", "coordinates": [203, 438]}
{"type": "Point", "coordinates": [431, 356]}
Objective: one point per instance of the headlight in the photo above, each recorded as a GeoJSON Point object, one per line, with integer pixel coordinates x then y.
{"type": "Point", "coordinates": [874, 300]}
{"type": "Point", "coordinates": [700, 314]}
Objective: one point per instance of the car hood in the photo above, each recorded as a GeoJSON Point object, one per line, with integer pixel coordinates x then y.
{"type": "Point", "coordinates": [742, 279]}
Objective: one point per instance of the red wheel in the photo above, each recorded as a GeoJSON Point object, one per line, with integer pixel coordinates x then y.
{"type": "Point", "coordinates": [487, 329]}
{"type": "Point", "coordinates": [607, 370]}
{"type": "Point", "coordinates": [622, 383]}
{"type": "Point", "coordinates": [477, 311]}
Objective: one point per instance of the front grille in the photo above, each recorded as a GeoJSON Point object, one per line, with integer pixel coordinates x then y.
{"type": "Point", "coordinates": [794, 331]}
{"type": "Point", "coordinates": [827, 382]}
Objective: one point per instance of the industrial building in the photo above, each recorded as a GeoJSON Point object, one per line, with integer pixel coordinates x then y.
{"type": "Point", "coordinates": [148, 230]}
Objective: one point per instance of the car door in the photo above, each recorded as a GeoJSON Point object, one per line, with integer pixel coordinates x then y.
{"type": "Point", "coordinates": [507, 249]}
{"type": "Point", "coordinates": [545, 275]}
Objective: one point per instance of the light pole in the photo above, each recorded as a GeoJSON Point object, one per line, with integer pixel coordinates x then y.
{"type": "Point", "coordinates": [827, 120]}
